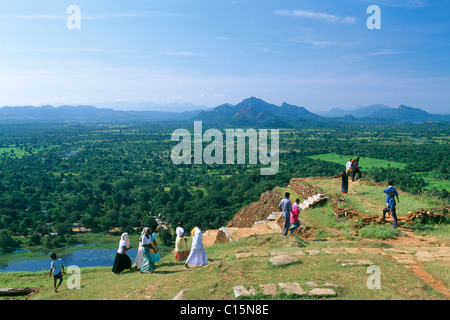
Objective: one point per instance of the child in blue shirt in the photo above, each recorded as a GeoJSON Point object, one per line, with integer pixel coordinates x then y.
{"type": "Point", "coordinates": [57, 269]}
{"type": "Point", "coordinates": [391, 208]}
{"type": "Point", "coordinates": [390, 188]}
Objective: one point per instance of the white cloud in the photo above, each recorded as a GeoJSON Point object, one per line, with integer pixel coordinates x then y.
{"type": "Point", "coordinates": [383, 52]}
{"type": "Point", "coordinates": [178, 53]}
{"type": "Point", "coordinates": [316, 15]}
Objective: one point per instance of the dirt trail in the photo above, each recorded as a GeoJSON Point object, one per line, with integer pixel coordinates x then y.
{"type": "Point", "coordinates": [430, 280]}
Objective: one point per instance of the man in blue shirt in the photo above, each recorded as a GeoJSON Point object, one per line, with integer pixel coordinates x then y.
{"type": "Point", "coordinates": [286, 207]}
{"type": "Point", "coordinates": [390, 188]}
{"type": "Point", "coordinates": [391, 208]}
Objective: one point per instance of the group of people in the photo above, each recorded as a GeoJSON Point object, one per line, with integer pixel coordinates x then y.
{"type": "Point", "coordinates": [351, 169]}
{"type": "Point", "coordinates": [147, 254]}
{"type": "Point", "coordinates": [148, 251]}
{"type": "Point", "coordinates": [290, 213]}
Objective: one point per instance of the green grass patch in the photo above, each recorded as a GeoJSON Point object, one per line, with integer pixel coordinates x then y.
{"type": "Point", "coordinates": [365, 163]}
{"type": "Point", "coordinates": [381, 232]}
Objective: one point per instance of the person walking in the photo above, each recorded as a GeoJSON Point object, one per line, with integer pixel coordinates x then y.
{"type": "Point", "coordinates": [147, 264]}
{"type": "Point", "coordinates": [286, 207]}
{"type": "Point", "coordinates": [295, 223]}
{"type": "Point", "coordinates": [140, 256]}
{"type": "Point", "coordinates": [391, 189]}
{"type": "Point", "coordinates": [348, 166]}
{"type": "Point", "coordinates": [57, 270]}
{"type": "Point", "coordinates": [356, 173]}
{"type": "Point", "coordinates": [181, 247]}
{"type": "Point", "coordinates": [122, 260]}
{"type": "Point", "coordinates": [391, 209]}
{"type": "Point", "coordinates": [154, 255]}
{"type": "Point", "coordinates": [197, 257]}
{"type": "Point", "coordinates": [344, 184]}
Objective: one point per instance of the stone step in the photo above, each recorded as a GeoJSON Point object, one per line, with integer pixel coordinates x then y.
{"type": "Point", "coordinates": [271, 289]}
{"type": "Point", "coordinates": [274, 216]}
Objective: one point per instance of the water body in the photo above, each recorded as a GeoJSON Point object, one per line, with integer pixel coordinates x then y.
{"type": "Point", "coordinates": [81, 258]}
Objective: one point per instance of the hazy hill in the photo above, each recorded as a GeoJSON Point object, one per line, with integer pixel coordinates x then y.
{"type": "Point", "coordinates": [86, 113]}
{"type": "Point", "coordinates": [250, 112]}
{"type": "Point", "coordinates": [254, 111]}
{"type": "Point", "coordinates": [381, 112]}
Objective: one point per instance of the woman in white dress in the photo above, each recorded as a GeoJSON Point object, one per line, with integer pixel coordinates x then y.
{"type": "Point", "coordinates": [140, 256]}
{"type": "Point", "coordinates": [197, 257]}
{"type": "Point", "coordinates": [122, 260]}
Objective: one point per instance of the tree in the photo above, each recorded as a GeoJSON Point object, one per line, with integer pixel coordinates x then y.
{"type": "Point", "coordinates": [35, 240]}
{"type": "Point", "coordinates": [63, 228]}
{"type": "Point", "coordinates": [6, 241]}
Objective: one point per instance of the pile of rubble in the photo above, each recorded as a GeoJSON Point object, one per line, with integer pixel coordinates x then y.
{"type": "Point", "coordinates": [304, 232]}
{"type": "Point", "coordinates": [361, 219]}
{"type": "Point", "coordinates": [304, 189]}
{"type": "Point", "coordinates": [256, 211]}
{"type": "Point", "coordinates": [434, 215]}
{"type": "Point", "coordinates": [346, 213]}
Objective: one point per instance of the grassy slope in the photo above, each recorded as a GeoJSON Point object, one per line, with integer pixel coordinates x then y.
{"type": "Point", "coordinates": [216, 281]}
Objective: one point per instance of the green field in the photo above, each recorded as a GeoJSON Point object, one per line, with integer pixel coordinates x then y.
{"type": "Point", "coordinates": [20, 151]}
{"type": "Point", "coordinates": [432, 179]}
{"type": "Point", "coordinates": [365, 163]}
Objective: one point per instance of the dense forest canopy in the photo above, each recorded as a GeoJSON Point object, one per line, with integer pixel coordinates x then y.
{"type": "Point", "coordinates": [108, 175]}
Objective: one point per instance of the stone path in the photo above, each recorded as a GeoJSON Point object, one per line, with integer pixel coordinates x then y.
{"type": "Point", "coordinates": [411, 257]}
{"type": "Point", "coordinates": [260, 227]}
{"type": "Point", "coordinates": [407, 256]}
{"type": "Point", "coordinates": [272, 289]}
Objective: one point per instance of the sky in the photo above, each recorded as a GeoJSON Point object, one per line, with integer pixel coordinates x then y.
{"type": "Point", "coordinates": [318, 54]}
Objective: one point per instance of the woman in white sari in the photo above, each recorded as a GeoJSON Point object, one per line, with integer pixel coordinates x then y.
{"type": "Point", "coordinates": [197, 257]}
{"type": "Point", "coordinates": [140, 255]}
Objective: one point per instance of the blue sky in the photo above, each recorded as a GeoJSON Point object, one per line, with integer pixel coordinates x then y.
{"type": "Point", "coordinates": [313, 53]}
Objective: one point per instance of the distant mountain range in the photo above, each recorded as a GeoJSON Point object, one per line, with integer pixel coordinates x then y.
{"type": "Point", "coordinates": [149, 106]}
{"type": "Point", "coordinates": [380, 111]}
{"type": "Point", "coordinates": [250, 112]}
{"type": "Point", "coordinates": [253, 111]}
{"type": "Point", "coordinates": [86, 113]}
